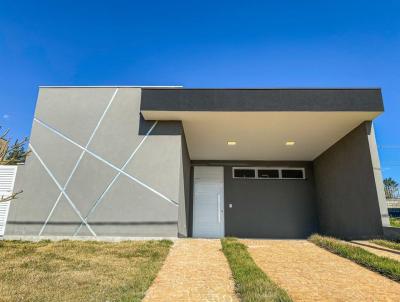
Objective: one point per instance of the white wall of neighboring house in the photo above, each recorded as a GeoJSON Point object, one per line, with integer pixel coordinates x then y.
{"type": "Point", "coordinates": [7, 180]}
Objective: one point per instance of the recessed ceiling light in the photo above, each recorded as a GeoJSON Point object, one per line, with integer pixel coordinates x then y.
{"type": "Point", "coordinates": [231, 143]}
{"type": "Point", "coordinates": [290, 143]}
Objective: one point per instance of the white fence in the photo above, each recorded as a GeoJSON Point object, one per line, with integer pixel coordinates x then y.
{"type": "Point", "coordinates": [7, 180]}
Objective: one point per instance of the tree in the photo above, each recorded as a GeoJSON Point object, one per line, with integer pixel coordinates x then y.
{"type": "Point", "coordinates": [16, 153]}
{"type": "Point", "coordinates": [391, 187]}
{"type": "Point", "coordinates": [12, 154]}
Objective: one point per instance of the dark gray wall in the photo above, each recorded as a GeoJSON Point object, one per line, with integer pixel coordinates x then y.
{"type": "Point", "coordinates": [268, 208]}
{"type": "Point", "coordinates": [262, 100]}
{"type": "Point", "coordinates": [184, 208]}
{"type": "Point", "coordinates": [348, 187]}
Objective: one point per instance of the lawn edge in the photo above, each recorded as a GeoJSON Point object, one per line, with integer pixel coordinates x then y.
{"type": "Point", "coordinates": [384, 266]}
{"type": "Point", "coordinates": [247, 275]}
{"type": "Point", "coordinates": [169, 243]}
{"type": "Point", "coordinates": [386, 243]}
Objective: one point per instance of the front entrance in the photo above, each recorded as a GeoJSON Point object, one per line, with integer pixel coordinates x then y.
{"type": "Point", "coordinates": [208, 202]}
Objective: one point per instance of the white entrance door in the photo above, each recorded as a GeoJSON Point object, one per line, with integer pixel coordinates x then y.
{"type": "Point", "coordinates": [208, 202]}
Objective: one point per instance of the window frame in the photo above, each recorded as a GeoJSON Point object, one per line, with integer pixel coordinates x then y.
{"type": "Point", "coordinates": [250, 168]}
{"type": "Point", "coordinates": [269, 168]}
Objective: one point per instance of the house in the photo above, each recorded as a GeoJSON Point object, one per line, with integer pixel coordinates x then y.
{"type": "Point", "coordinates": [169, 161]}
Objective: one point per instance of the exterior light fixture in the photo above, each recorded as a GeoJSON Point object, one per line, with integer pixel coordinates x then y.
{"type": "Point", "coordinates": [231, 143]}
{"type": "Point", "coordinates": [290, 143]}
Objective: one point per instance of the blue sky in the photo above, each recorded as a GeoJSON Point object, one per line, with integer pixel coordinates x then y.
{"type": "Point", "coordinates": [202, 44]}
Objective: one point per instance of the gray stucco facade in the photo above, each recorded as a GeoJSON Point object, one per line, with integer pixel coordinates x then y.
{"type": "Point", "coordinates": [99, 168]}
{"type": "Point", "coordinates": [92, 143]}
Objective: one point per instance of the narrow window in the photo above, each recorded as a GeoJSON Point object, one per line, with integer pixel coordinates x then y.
{"type": "Point", "coordinates": [268, 173]}
{"type": "Point", "coordinates": [244, 173]}
{"type": "Point", "coordinates": [292, 173]}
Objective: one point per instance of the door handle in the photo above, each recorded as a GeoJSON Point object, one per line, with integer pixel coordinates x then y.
{"type": "Point", "coordinates": [219, 208]}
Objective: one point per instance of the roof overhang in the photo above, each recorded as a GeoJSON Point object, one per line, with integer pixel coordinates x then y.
{"type": "Point", "coordinates": [262, 121]}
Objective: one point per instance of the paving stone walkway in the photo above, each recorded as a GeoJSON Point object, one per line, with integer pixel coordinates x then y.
{"type": "Point", "coordinates": [378, 250]}
{"type": "Point", "coordinates": [309, 273]}
{"type": "Point", "coordinates": [195, 270]}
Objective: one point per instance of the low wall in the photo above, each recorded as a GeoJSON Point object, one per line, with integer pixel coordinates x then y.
{"type": "Point", "coordinates": [391, 233]}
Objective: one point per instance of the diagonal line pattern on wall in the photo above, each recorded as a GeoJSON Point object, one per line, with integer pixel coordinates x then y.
{"type": "Point", "coordinates": [106, 162]}
{"type": "Point", "coordinates": [61, 189]}
{"type": "Point", "coordinates": [100, 199]}
{"type": "Point", "coordinates": [78, 161]}
{"type": "Point", "coordinates": [84, 149]}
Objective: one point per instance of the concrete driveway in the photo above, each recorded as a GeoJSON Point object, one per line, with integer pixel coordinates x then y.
{"type": "Point", "coordinates": [195, 270]}
{"type": "Point", "coordinates": [309, 273]}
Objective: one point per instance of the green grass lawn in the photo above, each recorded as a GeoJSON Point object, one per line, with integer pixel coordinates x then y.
{"type": "Point", "coordinates": [385, 266]}
{"type": "Point", "coordinates": [395, 222]}
{"type": "Point", "coordinates": [79, 270]}
{"type": "Point", "coordinates": [387, 243]}
{"type": "Point", "coordinates": [251, 283]}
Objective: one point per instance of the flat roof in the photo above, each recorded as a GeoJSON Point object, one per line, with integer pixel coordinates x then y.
{"type": "Point", "coordinates": [262, 99]}
{"type": "Point", "coordinates": [112, 86]}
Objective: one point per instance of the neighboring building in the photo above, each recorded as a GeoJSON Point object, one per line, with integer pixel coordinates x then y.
{"type": "Point", "coordinates": [393, 202]}
{"type": "Point", "coordinates": [393, 207]}
{"type": "Point", "coordinates": [167, 162]}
